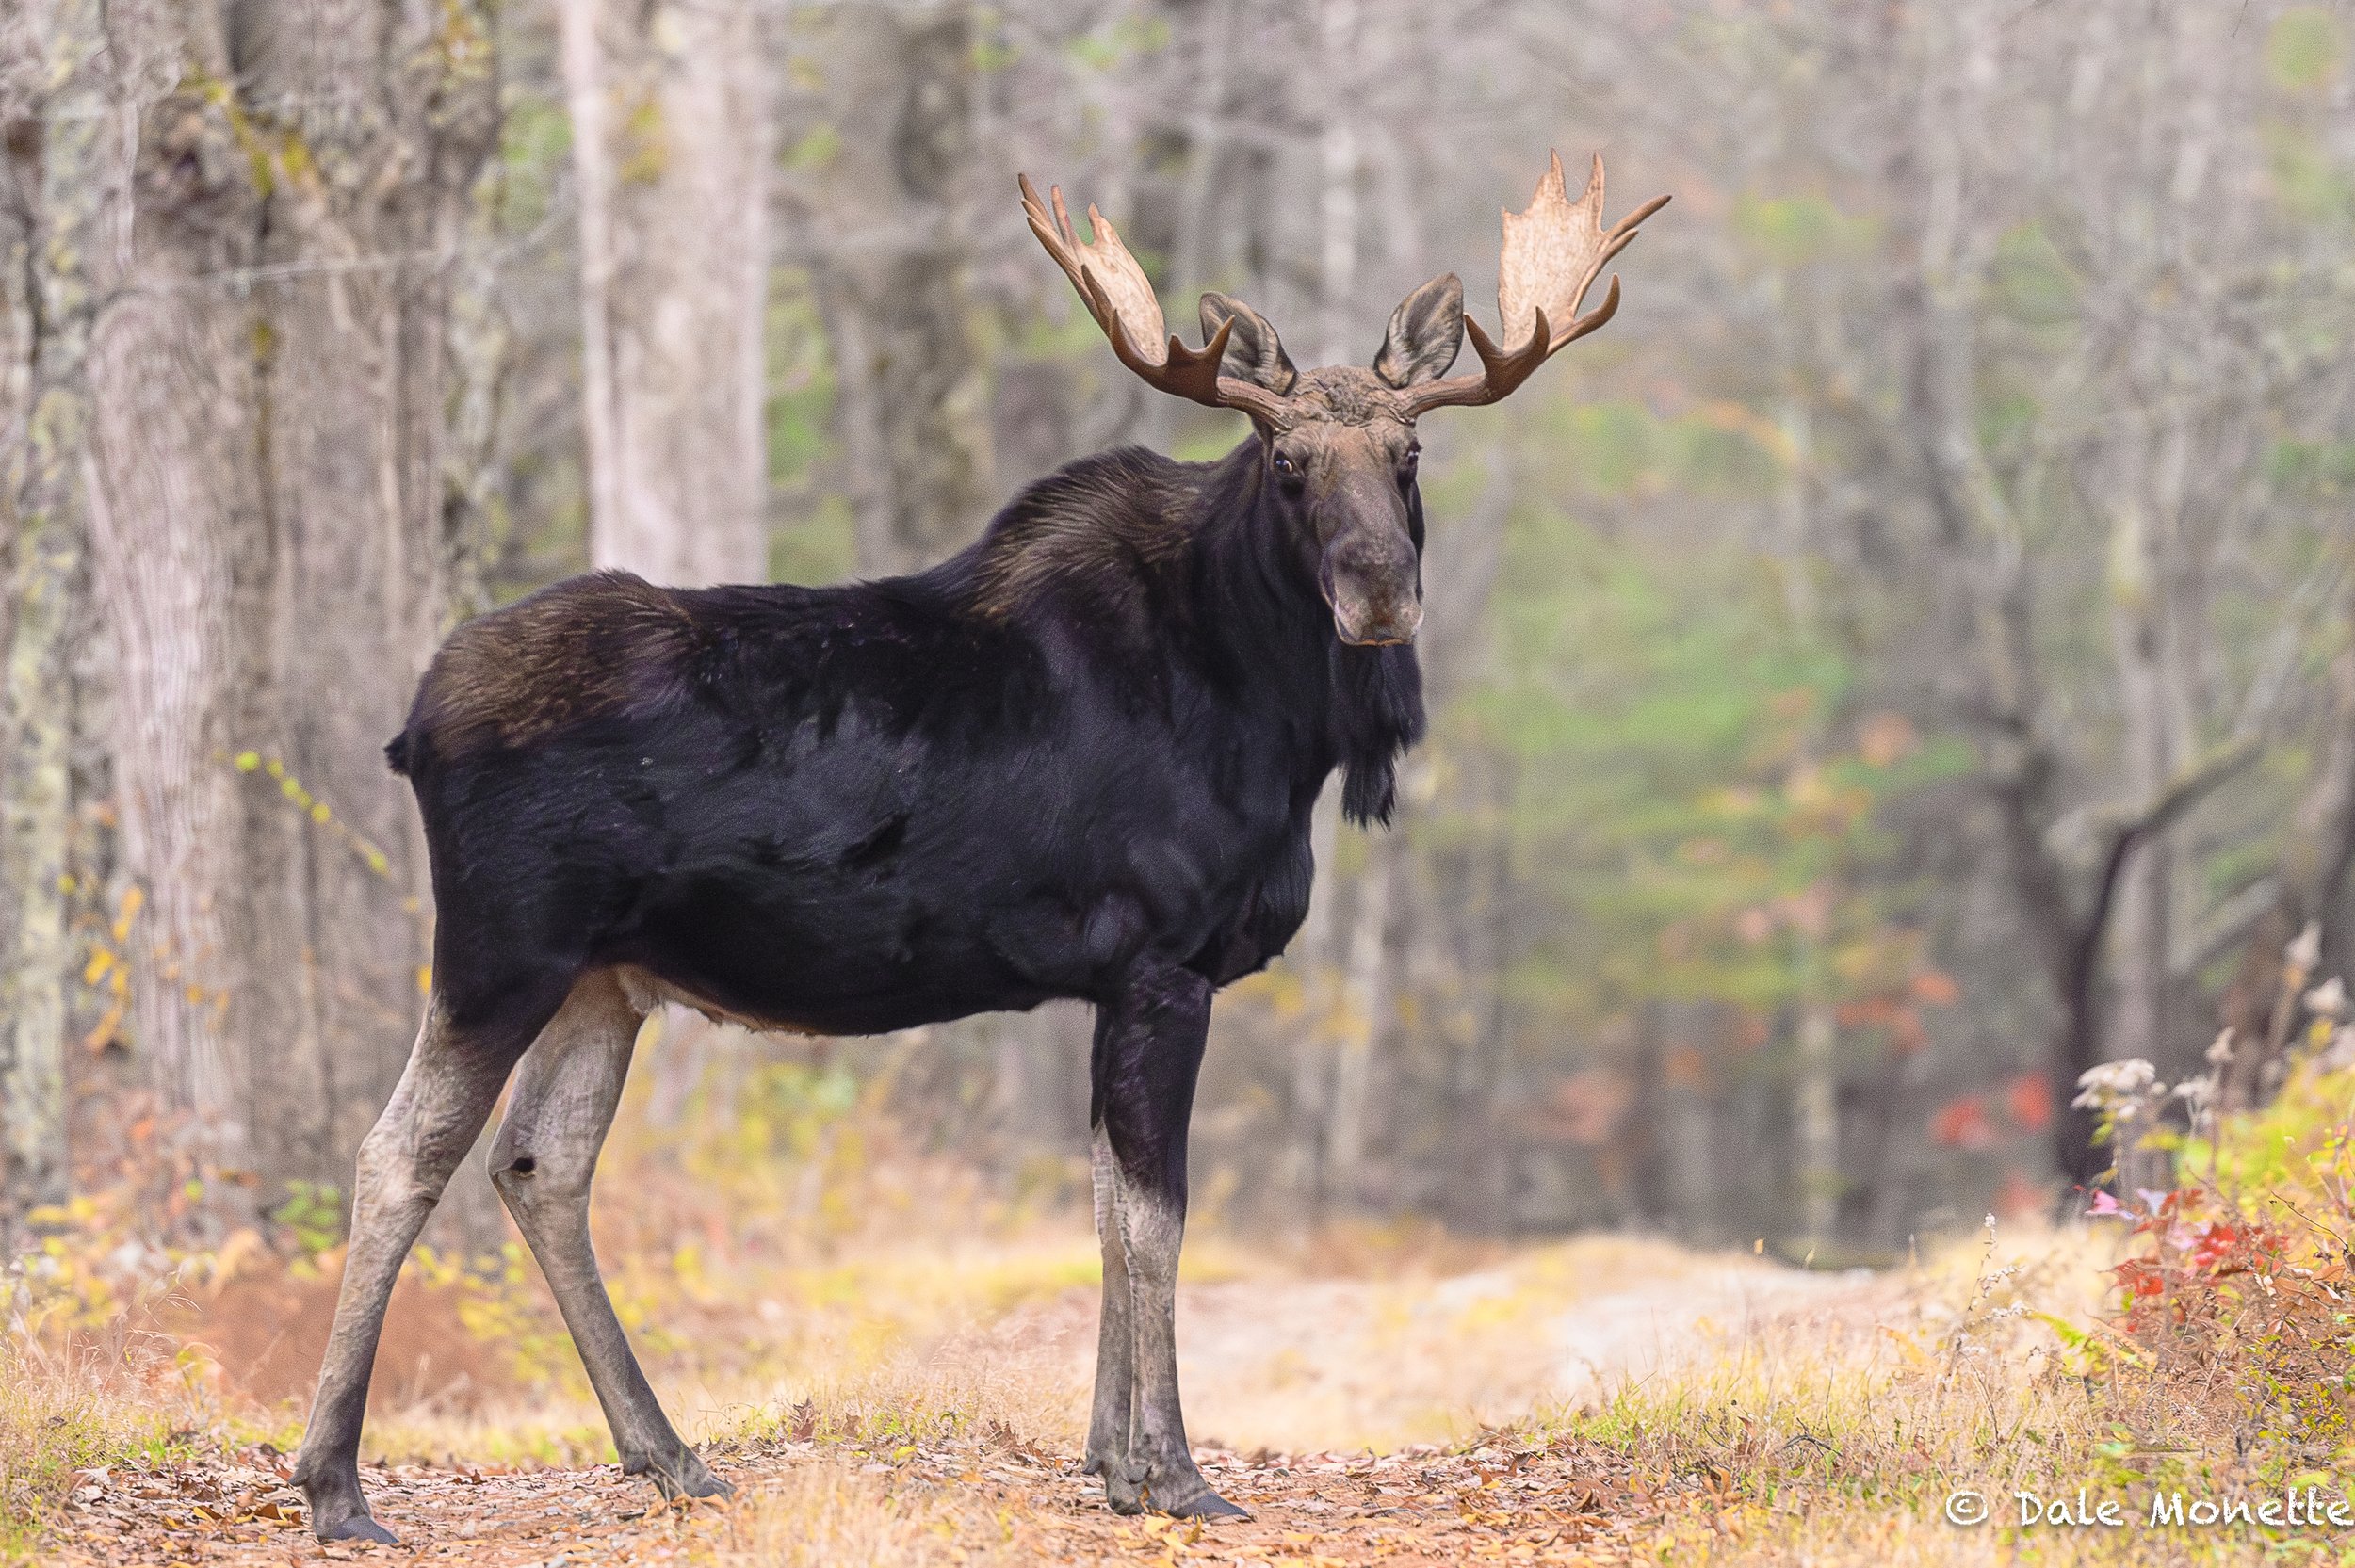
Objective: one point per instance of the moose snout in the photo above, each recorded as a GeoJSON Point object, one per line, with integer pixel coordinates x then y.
{"type": "Point", "coordinates": [1376, 623]}
{"type": "Point", "coordinates": [1373, 609]}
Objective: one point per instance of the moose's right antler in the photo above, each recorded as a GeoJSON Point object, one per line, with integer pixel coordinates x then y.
{"type": "Point", "coordinates": [1121, 298]}
{"type": "Point", "coordinates": [1552, 255]}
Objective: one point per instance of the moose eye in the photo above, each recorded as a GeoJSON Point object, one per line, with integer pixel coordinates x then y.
{"type": "Point", "coordinates": [1285, 466]}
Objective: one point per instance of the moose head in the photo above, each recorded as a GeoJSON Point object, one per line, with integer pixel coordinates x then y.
{"type": "Point", "coordinates": [1339, 442]}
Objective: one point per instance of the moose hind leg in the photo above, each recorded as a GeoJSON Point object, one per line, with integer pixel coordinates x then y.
{"type": "Point", "coordinates": [1150, 1053]}
{"type": "Point", "coordinates": [542, 1162]}
{"type": "Point", "coordinates": [444, 1097]}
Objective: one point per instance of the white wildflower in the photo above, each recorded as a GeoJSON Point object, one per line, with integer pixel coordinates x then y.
{"type": "Point", "coordinates": [2329, 999]}
{"type": "Point", "coordinates": [2114, 1082]}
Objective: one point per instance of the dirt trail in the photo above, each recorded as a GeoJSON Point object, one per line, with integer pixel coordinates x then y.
{"type": "Point", "coordinates": [1280, 1372]}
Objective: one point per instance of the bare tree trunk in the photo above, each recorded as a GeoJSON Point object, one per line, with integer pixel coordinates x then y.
{"type": "Point", "coordinates": [171, 377]}
{"type": "Point", "coordinates": [2317, 851]}
{"type": "Point", "coordinates": [377, 117]}
{"type": "Point", "coordinates": [675, 270]}
{"type": "Point", "coordinates": [1322, 1081]}
{"type": "Point", "coordinates": [36, 794]}
{"type": "Point", "coordinates": [1337, 194]}
{"type": "Point", "coordinates": [1816, 1112]}
{"type": "Point", "coordinates": [2155, 718]}
{"type": "Point", "coordinates": [1365, 1017]}
{"type": "Point", "coordinates": [912, 382]}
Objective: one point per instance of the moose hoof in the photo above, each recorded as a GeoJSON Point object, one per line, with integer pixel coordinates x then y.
{"type": "Point", "coordinates": [1205, 1504]}
{"type": "Point", "coordinates": [339, 1511]}
{"type": "Point", "coordinates": [356, 1526]}
{"type": "Point", "coordinates": [680, 1475]}
{"type": "Point", "coordinates": [1124, 1492]}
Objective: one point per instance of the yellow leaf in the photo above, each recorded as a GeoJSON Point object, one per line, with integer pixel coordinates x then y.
{"type": "Point", "coordinates": [248, 761]}
{"type": "Point", "coordinates": [101, 1034]}
{"type": "Point", "coordinates": [99, 962]}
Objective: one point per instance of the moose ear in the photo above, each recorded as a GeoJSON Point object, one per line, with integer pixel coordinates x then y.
{"type": "Point", "coordinates": [1254, 352]}
{"type": "Point", "coordinates": [1425, 331]}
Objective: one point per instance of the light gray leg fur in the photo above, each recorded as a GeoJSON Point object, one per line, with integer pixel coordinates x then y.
{"type": "Point", "coordinates": [444, 1095]}
{"type": "Point", "coordinates": [542, 1162]}
{"type": "Point", "coordinates": [1160, 1461]}
{"type": "Point", "coordinates": [1111, 1420]}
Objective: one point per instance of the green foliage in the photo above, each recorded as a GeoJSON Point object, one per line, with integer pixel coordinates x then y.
{"type": "Point", "coordinates": [1793, 231]}
{"type": "Point", "coordinates": [817, 148]}
{"type": "Point", "coordinates": [1694, 795]}
{"type": "Point", "coordinates": [2305, 48]}
{"type": "Point", "coordinates": [2318, 470]}
{"type": "Point", "coordinates": [1125, 38]}
{"type": "Point", "coordinates": [1620, 448]}
{"type": "Point", "coordinates": [314, 1213]}
{"type": "Point", "coordinates": [2034, 283]}
{"type": "Point", "coordinates": [2307, 180]}
{"type": "Point", "coordinates": [811, 538]}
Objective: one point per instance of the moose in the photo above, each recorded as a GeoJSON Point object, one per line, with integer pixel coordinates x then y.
{"type": "Point", "coordinates": [1077, 760]}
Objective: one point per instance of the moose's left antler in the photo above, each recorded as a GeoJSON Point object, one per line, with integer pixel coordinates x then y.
{"type": "Point", "coordinates": [1121, 298]}
{"type": "Point", "coordinates": [1552, 255]}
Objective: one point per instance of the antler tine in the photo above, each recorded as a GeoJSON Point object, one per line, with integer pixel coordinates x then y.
{"type": "Point", "coordinates": [1118, 293]}
{"type": "Point", "coordinates": [1552, 254]}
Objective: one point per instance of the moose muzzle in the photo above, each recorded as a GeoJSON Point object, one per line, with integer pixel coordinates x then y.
{"type": "Point", "coordinates": [1373, 582]}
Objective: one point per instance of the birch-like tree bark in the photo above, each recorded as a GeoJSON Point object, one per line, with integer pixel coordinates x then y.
{"type": "Point", "coordinates": [374, 118]}
{"type": "Point", "coordinates": [173, 493]}
{"type": "Point", "coordinates": [46, 423]}
{"type": "Point", "coordinates": [890, 267]}
{"type": "Point", "coordinates": [670, 110]}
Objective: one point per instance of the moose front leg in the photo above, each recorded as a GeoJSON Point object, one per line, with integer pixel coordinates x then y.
{"type": "Point", "coordinates": [1148, 1050]}
{"type": "Point", "coordinates": [1115, 1413]}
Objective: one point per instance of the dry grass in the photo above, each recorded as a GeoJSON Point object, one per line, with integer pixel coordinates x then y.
{"type": "Point", "coordinates": [61, 1417]}
{"type": "Point", "coordinates": [895, 1370]}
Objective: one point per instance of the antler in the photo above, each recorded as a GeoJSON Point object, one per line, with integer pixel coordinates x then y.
{"type": "Point", "coordinates": [1552, 255]}
{"type": "Point", "coordinates": [1120, 297]}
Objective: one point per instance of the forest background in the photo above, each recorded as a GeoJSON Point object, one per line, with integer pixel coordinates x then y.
{"type": "Point", "coordinates": [1906, 661]}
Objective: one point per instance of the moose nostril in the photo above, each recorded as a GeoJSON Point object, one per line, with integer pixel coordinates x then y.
{"type": "Point", "coordinates": [524, 1165]}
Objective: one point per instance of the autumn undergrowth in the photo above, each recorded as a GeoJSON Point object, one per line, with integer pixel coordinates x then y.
{"type": "Point", "coordinates": [806, 1276]}
{"type": "Point", "coordinates": [2183, 1352]}
{"type": "Point", "coordinates": [61, 1416]}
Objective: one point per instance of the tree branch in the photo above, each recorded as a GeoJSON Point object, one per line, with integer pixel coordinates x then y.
{"type": "Point", "coordinates": [2162, 812]}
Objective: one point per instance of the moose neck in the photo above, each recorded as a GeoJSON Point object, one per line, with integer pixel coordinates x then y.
{"type": "Point", "coordinates": [1265, 620]}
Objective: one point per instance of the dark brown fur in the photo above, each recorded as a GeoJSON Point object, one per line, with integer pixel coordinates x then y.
{"type": "Point", "coordinates": [1099, 530]}
{"type": "Point", "coordinates": [586, 648]}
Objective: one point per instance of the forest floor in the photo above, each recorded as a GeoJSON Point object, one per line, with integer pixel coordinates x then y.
{"type": "Point", "coordinates": [894, 1370]}
{"type": "Point", "coordinates": [1359, 1419]}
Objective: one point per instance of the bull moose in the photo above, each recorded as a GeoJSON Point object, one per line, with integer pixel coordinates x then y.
{"type": "Point", "coordinates": [1076, 760]}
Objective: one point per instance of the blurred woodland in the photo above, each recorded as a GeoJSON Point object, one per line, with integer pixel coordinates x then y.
{"type": "Point", "coordinates": [1907, 659]}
